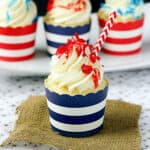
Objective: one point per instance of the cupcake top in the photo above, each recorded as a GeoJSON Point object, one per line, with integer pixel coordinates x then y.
{"type": "Point", "coordinates": [17, 13]}
{"type": "Point", "coordinates": [128, 10]}
{"type": "Point", "coordinates": [68, 12]}
{"type": "Point", "coordinates": [75, 69]}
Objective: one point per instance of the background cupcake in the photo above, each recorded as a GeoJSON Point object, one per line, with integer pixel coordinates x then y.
{"type": "Point", "coordinates": [17, 29]}
{"type": "Point", "coordinates": [125, 38]}
{"type": "Point", "coordinates": [76, 90]}
{"type": "Point", "coordinates": [63, 19]}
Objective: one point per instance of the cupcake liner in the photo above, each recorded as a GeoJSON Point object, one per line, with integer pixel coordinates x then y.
{"type": "Point", "coordinates": [17, 44]}
{"type": "Point", "coordinates": [77, 116]}
{"type": "Point", "coordinates": [124, 38]}
{"type": "Point", "coordinates": [58, 35]}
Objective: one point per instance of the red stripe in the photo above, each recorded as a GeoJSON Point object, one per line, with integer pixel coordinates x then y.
{"type": "Point", "coordinates": [125, 53]}
{"type": "Point", "coordinates": [17, 58]}
{"type": "Point", "coordinates": [124, 26]}
{"type": "Point", "coordinates": [124, 41]}
{"type": "Point", "coordinates": [17, 46]}
{"type": "Point", "coordinates": [18, 31]}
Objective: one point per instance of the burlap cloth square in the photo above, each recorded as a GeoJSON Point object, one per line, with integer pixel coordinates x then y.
{"type": "Point", "coordinates": [120, 132]}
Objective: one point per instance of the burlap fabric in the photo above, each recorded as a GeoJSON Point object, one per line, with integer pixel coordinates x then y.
{"type": "Point", "coordinates": [120, 132]}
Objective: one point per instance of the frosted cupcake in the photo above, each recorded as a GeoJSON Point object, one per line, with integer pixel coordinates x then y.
{"type": "Point", "coordinates": [76, 90]}
{"type": "Point", "coordinates": [17, 29]}
{"type": "Point", "coordinates": [63, 19]}
{"type": "Point", "coordinates": [125, 38]}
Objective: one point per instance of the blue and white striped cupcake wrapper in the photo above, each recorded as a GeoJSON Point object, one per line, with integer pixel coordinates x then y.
{"type": "Point", "coordinates": [57, 35]}
{"type": "Point", "coordinates": [77, 116]}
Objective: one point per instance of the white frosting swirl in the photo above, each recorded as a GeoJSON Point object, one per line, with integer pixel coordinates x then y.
{"type": "Point", "coordinates": [67, 75]}
{"type": "Point", "coordinates": [70, 75]}
{"type": "Point", "coordinates": [128, 10]}
{"type": "Point", "coordinates": [120, 3]}
{"type": "Point", "coordinates": [16, 13]}
{"type": "Point", "coordinates": [59, 15]}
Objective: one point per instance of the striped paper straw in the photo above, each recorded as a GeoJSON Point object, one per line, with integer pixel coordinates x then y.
{"type": "Point", "coordinates": [105, 31]}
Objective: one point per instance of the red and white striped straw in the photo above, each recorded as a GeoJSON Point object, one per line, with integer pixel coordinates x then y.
{"type": "Point", "coordinates": [105, 31]}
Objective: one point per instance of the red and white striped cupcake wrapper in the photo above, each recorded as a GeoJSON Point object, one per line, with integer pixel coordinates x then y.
{"type": "Point", "coordinates": [123, 38]}
{"type": "Point", "coordinates": [17, 44]}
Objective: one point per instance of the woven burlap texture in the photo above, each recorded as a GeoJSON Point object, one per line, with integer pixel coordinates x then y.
{"type": "Point", "coordinates": [120, 132]}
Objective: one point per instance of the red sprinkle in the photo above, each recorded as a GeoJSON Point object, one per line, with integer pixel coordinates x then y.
{"type": "Point", "coordinates": [96, 77]}
{"type": "Point", "coordinates": [86, 69]}
{"type": "Point", "coordinates": [76, 36]}
{"type": "Point", "coordinates": [61, 50]}
{"type": "Point", "coordinates": [80, 5]}
{"type": "Point", "coordinates": [50, 5]}
{"type": "Point", "coordinates": [95, 80]}
{"type": "Point", "coordinates": [93, 57]}
{"type": "Point", "coordinates": [79, 51]}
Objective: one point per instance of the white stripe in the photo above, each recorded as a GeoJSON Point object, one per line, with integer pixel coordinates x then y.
{"type": "Point", "coordinates": [77, 128]}
{"type": "Point", "coordinates": [122, 47]}
{"type": "Point", "coordinates": [81, 111]}
{"type": "Point", "coordinates": [63, 38]}
{"type": "Point", "coordinates": [16, 53]}
{"type": "Point", "coordinates": [51, 50]}
{"type": "Point", "coordinates": [17, 39]}
{"type": "Point", "coordinates": [125, 34]}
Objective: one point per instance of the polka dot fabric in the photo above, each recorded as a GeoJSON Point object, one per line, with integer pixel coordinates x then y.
{"type": "Point", "coordinates": [132, 87]}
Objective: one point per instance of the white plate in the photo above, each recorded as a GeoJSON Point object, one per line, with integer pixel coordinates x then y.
{"type": "Point", "coordinates": [40, 64]}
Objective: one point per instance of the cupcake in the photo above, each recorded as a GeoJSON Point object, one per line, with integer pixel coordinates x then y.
{"type": "Point", "coordinates": [76, 90]}
{"type": "Point", "coordinates": [125, 38]}
{"type": "Point", "coordinates": [17, 29]}
{"type": "Point", "coordinates": [63, 19]}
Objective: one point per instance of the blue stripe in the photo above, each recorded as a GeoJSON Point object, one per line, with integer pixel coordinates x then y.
{"type": "Point", "coordinates": [77, 100]}
{"type": "Point", "coordinates": [78, 134]}
{"type": "Point", "coordinates": [77, 119]}
{"type": "Point", "coordinates": [67, 30]}
{"type": "Point", "coordinates": [56, 44]}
